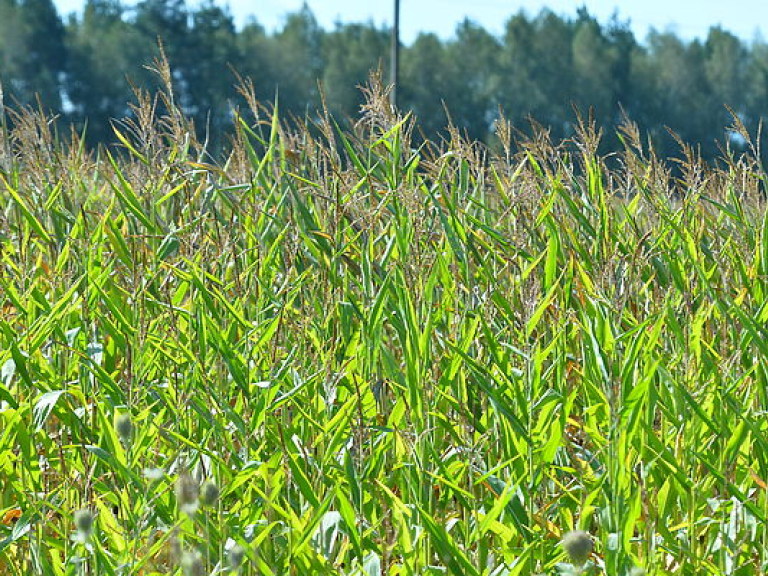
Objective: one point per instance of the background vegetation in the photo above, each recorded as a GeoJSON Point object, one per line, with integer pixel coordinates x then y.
{"type": "Point", "coordinates": [542, 65]}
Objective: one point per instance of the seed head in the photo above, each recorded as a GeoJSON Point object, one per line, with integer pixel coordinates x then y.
{"type": "Point", "coordinates": [209, 493]}
{"type": "Point", "coordinates": [84, 523]}
{"type": "Point", "coordinates": [192, 564]}
{"type": "Point", "coordinates": [578, 545]}
{"type": "Point", "coordinates": [187, 491]}
{"type": "Point", "coordinates": [176, 551]}
{"type": "Point", "coordinates": [124, 428]}
{"type": "Point", "coordinates": [235, 557]}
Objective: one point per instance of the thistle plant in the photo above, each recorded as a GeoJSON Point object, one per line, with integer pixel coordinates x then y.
{"type": "Point", "coordinates": [83, 524]}
{"type": "Point", "coordinates": [192, 563]}
{"type": "Point", "coordinates": [235, 557]}
{"type": "Point", "coordinates": [578, 546]}
{"type": "Point", "coordinates": [187, 493]}
{"type": "Point", "coordinates": [209, 493]}
{"type": "Point", "coordinates": [124, 428]}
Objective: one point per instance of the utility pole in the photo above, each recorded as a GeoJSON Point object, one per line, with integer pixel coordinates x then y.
{"type": "Point", "coordinates": [394, 73]}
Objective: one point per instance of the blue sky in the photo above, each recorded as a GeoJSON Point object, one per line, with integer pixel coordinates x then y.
{"type": "Point", "coordinates": [688, 18]}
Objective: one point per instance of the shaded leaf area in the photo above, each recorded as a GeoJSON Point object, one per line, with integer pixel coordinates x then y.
{"type": "Point", "coordinates": [391, 358]}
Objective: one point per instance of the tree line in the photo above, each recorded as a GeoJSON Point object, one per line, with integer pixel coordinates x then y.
{"type": "Point", "coordinates": [542, 67]}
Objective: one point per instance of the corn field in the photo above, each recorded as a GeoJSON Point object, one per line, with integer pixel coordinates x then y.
{"type": "Point", "coordinates": [347, 351]}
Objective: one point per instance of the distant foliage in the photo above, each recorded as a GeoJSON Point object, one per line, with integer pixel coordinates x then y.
{"type": "Point", "coordinates": [541, 67]}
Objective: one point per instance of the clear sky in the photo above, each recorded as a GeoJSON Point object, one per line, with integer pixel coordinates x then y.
{"type": "Point", "coordinates": [687, 18]}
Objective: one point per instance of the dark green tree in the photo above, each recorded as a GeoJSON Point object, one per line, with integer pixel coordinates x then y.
{"type": "Point", "coordinates": [756, 84]}
{"type": "Point", "coordinates": [211, 55]}
{"type": "Point", "coordinates": [424, 82]}
{"type": "Point", "coordinates": [540, 66]}
{"type": "Point", "coordinates": [256, 63]}
{"type": "Point", "coordinates": [625, 47]}
{"type": "Point", "coordinates": [552, 51]}
{"type": "Point", "coordinates": [40, 53]}
{"type": "Point", "coordinates": [350, 52]}
{"type": "Point", "coordinates": [11, 48]}
{"type": "Point", "coordinates": [296, 52]}
{"type": "Point", "coordinates": [725, 68]}
{"type": "Point", "coordinates": [519, 92]}
{"type": "Point", "coordinates": [678, 93]}
{"type": "Point", "coordinates": [470, 63]}
{"type": "Point", "coordinates": [165, 21]}
{"type": "Point", "coordinates": [105, 55]}
{"type": "Point", "coordinates": [593, 68]}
